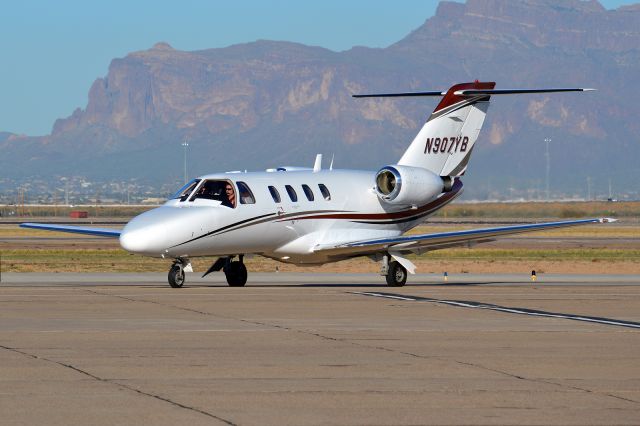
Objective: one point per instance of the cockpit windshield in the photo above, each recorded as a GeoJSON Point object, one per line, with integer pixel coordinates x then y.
{"type": "Point", "coordinates": [184, 192]}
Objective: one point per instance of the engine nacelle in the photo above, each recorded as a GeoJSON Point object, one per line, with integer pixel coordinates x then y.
{"type": "Point", "coordinates": [410, 185]}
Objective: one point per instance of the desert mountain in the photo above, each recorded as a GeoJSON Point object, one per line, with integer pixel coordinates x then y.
{"type": "Point", "coordinates": [266, 103]}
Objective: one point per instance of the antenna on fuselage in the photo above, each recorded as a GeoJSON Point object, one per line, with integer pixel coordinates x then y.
{"type": "Point", "coordinates": [317, 166]}
{"type": "Point", "coordinates": [331, 165]}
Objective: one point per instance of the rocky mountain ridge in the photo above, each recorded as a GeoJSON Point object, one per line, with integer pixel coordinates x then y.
{"type": "Point", "coordinates": [266, 103]}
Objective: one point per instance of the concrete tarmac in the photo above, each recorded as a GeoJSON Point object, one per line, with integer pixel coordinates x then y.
{"type": "Point", "coordinates": [300, 349]}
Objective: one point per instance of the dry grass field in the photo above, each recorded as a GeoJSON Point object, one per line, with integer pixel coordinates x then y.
{"type": "Point", "coordinates": [523, 210]}
{"type": "Point", "coordinates": [536, 210]}
{"type": "Point", "coordinates": [594, 249]}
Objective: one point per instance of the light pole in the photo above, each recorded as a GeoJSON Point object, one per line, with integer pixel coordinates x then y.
{"type": "Point", "coordinates": [66, 192]}
{"type": "Point", "coordinates": [548, 157]}
{"type": "Point", "coordinates": [185, 145]}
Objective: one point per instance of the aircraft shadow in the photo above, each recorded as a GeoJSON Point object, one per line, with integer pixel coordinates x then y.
{"type": "Point", "coordinates": [347, 285]}
{"type": "Point", "coordinates": [257, 285]}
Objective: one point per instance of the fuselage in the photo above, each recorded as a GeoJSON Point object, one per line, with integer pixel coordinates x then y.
{"type": "Point", "coordinates": [283, 215]}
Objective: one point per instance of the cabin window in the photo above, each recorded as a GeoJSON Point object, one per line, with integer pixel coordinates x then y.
{"type": "Point", "coordinates": [184, 192]}
{"type": "Point", "coordinates": [292, 193]}
{"type": "Point", "coordinates": [274, 194]}
{"type": "Point", "coordinates": [325, 192]}
{"type": "Point", "coordinates": [308, 192]}
{"type": "Point", "coordinates": [246, 196]}
{"type": "Point", "coordinates": [216, 190]}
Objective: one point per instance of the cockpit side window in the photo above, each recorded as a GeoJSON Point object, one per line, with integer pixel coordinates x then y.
{"type": "Point", "coordinates": [246, 196]}
{"type": "Point", "coordinates": [216, 190]}
{"type": "Point", "coordinates": [184, 192]}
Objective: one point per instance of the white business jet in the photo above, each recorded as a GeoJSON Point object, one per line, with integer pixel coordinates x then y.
{"type": "Point", "coordinates": [313, 216]}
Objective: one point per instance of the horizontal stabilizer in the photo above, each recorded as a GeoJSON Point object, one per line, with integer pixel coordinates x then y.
{"type": "Point", "coordinates": [99, 232]}
{"type": "Point", "coordinates": [472, 92]}
{"type": "Point", "coordinates": [398, 95]}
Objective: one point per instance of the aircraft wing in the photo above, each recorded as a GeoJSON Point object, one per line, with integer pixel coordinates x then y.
{"type": "Point", "coordinates": [440, 240]}
{"type": "Point", "coordinates": [100, 232]}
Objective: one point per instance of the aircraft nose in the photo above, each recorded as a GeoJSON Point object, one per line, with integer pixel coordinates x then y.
{"type": "Point", "coordinates": [145, 234]}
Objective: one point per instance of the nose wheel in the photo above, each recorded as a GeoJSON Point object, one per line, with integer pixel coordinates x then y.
{"type": "Point", "coordinates": [176, 275]}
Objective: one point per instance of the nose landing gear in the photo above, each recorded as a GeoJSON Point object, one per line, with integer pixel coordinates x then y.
{"type": "Point", "coordinates": [176, 274]}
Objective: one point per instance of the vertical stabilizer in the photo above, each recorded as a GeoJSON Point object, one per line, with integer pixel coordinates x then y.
{"type": "Point", "coordinates": [445, 142]}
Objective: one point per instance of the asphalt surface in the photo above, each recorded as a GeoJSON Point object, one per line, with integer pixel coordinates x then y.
{"type": "Point", "coordinates": [319, 349]}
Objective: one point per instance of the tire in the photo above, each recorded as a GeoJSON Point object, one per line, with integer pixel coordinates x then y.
{"type": "Point", "coordinates": [397, 276]}
{"type": "Point", "coordinates": [176, 276]}
{"type": "Point", "coordinates": [236, 274]}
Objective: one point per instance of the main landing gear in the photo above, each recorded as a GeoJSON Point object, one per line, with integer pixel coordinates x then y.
{"type": "Point", "coordinates": [234, 271]}
{"type": "Point", "coordinates": [394, 272]}
{"type": "Point", "coordinates": [397, 275]}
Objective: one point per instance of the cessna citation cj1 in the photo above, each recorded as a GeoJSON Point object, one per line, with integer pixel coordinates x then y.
{"type": "Point", "coordinates": [313, 216]}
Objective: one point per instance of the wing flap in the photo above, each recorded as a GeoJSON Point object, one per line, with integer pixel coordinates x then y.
{"type": "Point", "coordinates": [99, 232]}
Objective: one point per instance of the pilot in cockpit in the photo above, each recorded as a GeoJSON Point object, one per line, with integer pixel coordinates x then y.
{"type": "Point", "coordinates": [221, 191]}
{"type": "Point", "coordinates": [230, 194]}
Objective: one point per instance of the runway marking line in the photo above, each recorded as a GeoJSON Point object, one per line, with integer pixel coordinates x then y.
{"type": "Point", "coordinates": [498, 308]}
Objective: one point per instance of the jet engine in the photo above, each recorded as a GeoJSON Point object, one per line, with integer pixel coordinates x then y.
{"type": "Point", "coordinates": [410, 185]}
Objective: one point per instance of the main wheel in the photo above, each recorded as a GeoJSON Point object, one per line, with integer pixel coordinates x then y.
{"type": "Point", "coordinates": [176, 276]}
{"type": "Point", "coordinates": [397, 275]}
{"type": "Point", "coordinates": [236, 274]}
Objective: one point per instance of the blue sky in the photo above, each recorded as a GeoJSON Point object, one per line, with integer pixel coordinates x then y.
{"type": "Point", "coordinates": [52, 51]}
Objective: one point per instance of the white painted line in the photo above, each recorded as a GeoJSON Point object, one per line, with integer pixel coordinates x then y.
{"type": "Point", "coordinates": [383, 295]}
{"type": "Point", "coordinates": [518, 311]}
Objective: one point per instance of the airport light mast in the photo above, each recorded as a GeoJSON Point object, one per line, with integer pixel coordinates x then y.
{"type": "Point", "coordinates": [548, 157]}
